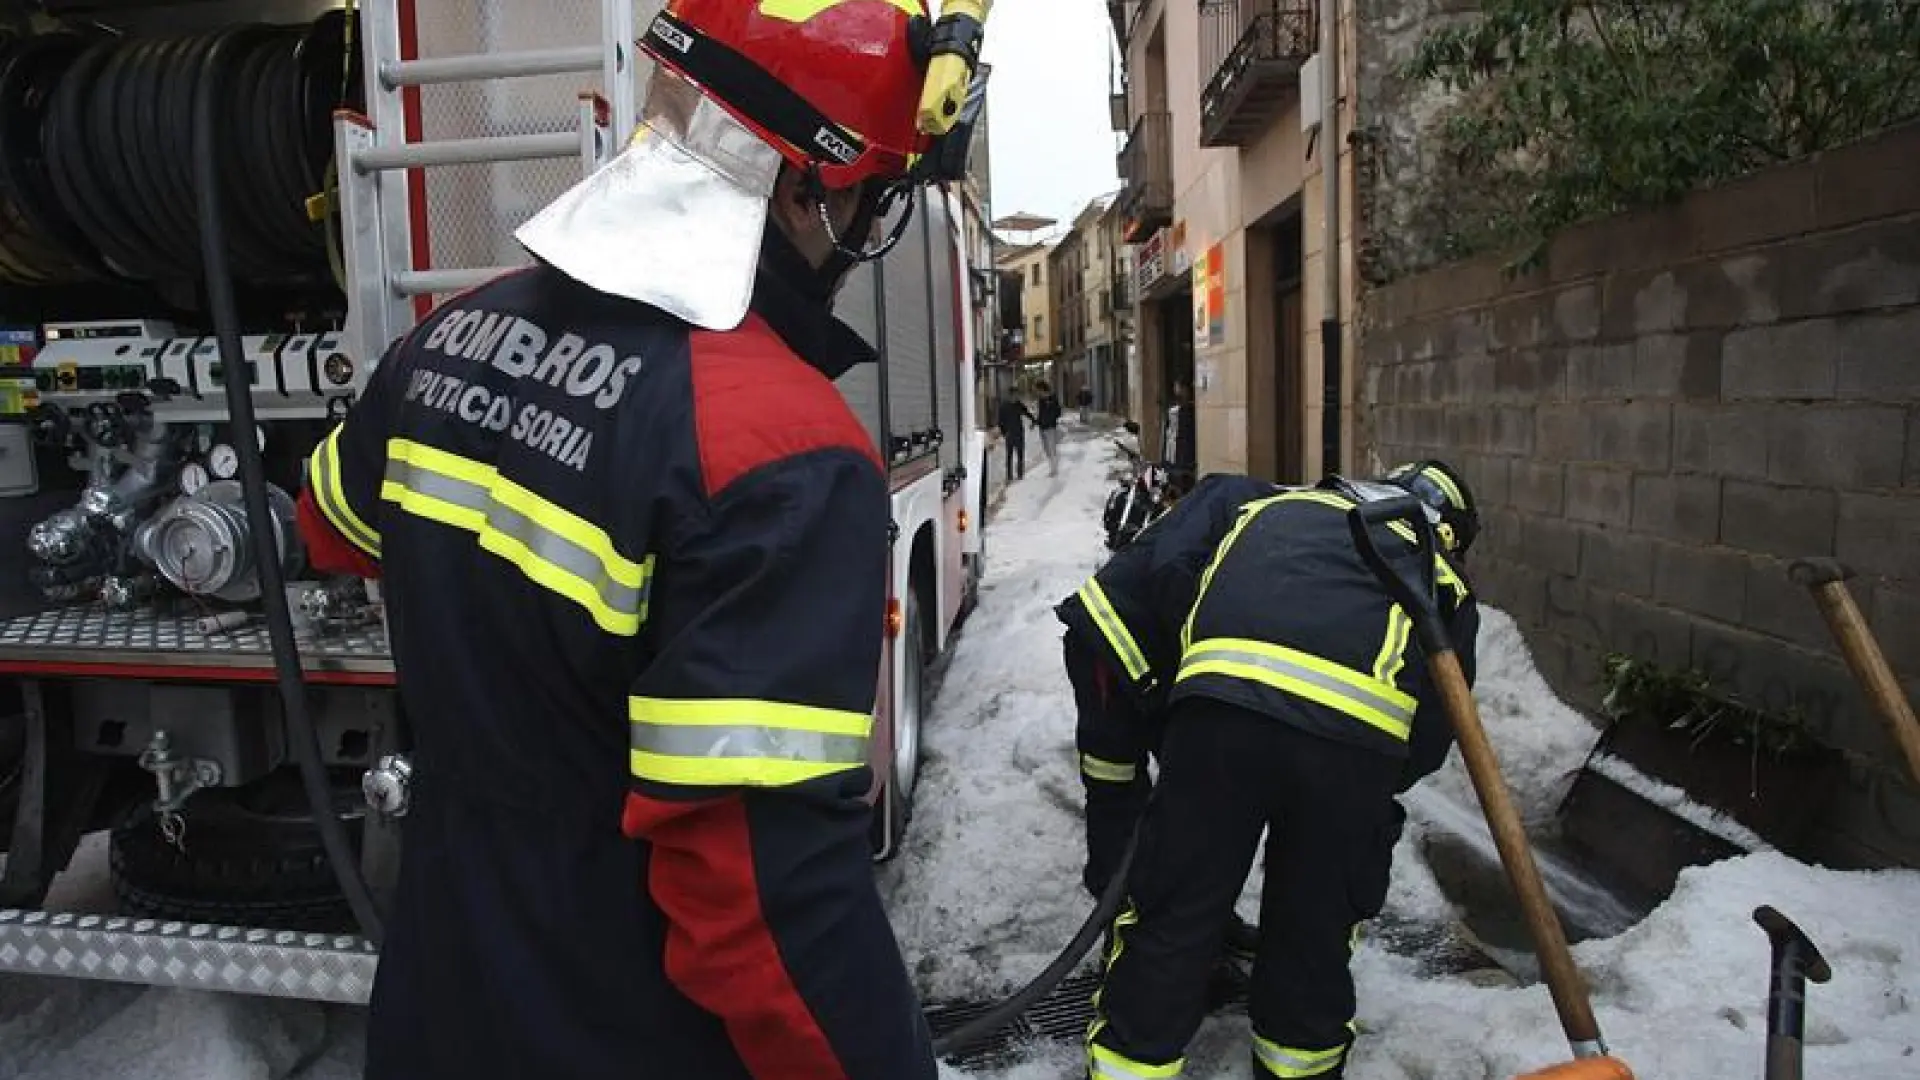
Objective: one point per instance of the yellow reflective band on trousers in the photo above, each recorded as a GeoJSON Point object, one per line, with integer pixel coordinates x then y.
{"type": "Point", "coordinates": [553, 547]}
{"type": "Point", "coordinates": [1113, 772]}
{"type": "Point", "coordinates": [1104, 1064]}
{"type": "Point", "coordinates": [1291, 671]}
{"type": "Point", "coordinates": [724, 743]}
{"type": "Point", "coordinates": [1291, 1061]}
{"type": "Point", "coordinates": [330, 495]}
{"type": "Point", "coordinates": [1115, 631]}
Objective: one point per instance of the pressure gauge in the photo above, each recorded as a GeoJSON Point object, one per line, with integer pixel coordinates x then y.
{"type": "Point", "coordinates": [193, 477]}
{"type": "Point", "coordinates": [224, 460]}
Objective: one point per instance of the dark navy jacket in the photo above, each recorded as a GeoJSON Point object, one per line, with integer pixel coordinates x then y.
{"type": "Point", "coordinates": [635, 575]}
{"type": "Point", "coordinates": [1133, 607]}
{"type": "Point", "coordinates": [1290, 622]}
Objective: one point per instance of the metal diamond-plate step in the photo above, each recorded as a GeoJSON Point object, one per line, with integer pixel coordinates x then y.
{"type": "Point", "coordinates": [93, 634]}
{"type": "Point", "coordinates": [193, 956]}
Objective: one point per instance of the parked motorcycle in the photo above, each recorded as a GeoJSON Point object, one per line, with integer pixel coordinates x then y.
{"type": "Point", "coordinates": [1149, 490]}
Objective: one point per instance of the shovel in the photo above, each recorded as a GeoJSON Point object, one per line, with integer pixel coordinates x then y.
{"type": "Point", "coordinates": [1592, 1061]}
{"type": "Point", "coordinates": [1827, 580]}
{"type": "Point", "coordinates": [1796, 961]}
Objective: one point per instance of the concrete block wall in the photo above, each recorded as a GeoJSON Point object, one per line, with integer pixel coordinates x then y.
{"type": "Point", "coordinates": [1678, 404]}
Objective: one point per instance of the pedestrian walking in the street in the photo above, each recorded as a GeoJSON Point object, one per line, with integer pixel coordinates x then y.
{"type": "Point", "coordinates": [1302, 708]}
{"type": "Point", "coordinates": [640, 679]}
{"type": "Point", "coordinates": [1086, 405]}
{"type": "Point", "coordinates": [1049, 425]}
{"type": "Point", "coordinates": [1012, 418]}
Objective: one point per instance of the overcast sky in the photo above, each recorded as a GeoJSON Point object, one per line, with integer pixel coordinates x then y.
{"type": "Point", "coordinates": [1052, 150]}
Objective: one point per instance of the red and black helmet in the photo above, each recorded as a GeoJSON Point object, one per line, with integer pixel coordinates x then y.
{"type": "Point", "coordinates": [833, 85]}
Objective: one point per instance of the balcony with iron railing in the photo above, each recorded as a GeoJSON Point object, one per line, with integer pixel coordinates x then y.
{"type": "Point", "coordinates": [1251, 52]}
{"type": "Point", "coordinates": [1146, 176]}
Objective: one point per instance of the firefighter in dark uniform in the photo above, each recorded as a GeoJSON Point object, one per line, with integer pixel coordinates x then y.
{"type": "Point", "coordinates": [633, 546]}
{"type": "Point", "coordinates": [1122, 648]}
{"type": "Point", "coordinates": [1303, 708]}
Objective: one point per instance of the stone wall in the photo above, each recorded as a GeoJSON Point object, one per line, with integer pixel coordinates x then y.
{"type": "Point", "coordinates": [1676, 405]}
{"type": "Point", "coordinates": [1397, 137]}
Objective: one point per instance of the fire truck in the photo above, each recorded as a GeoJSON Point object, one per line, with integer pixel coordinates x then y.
{"type": "Point", "coordinates": [371, 160]}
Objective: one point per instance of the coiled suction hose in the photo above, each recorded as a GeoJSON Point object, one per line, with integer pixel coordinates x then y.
{"type": "Point", "coordinates": [1008, 1011]}
{"type": "Point", "coordinates": [302, 736]}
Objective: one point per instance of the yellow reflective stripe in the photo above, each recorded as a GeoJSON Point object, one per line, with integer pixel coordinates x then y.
{"type": "Point", "coordinates": [1113, 772]}
{"type": "Point", "coordinates": [1247, 512]}
{"type": "Point", "coordinates": [1446, 575]}
{"type": "Point", "coordinates": [1393, 649]}
{"type": "Point", "coordinates": [728, 742]}
{"type": "Point", "coordinates": [1104, 1064]}
{"type": "Point", "coordinates": [1447, 487]}
{"type": "Point", "coordinates": [324, 479]}
{"type": "Point", "coordinates": [1377, 704]}
{"type": "Point", "coordinates": [552, 546]}
{"type": "Point", "coordinates": [1292, 1061]}
{"type": "Point", "coordinates": [1117, 944]}
{"type": "Point", "coordinates": [1094, 598]}
{"type": "Point", "coordinates": [801, 11]}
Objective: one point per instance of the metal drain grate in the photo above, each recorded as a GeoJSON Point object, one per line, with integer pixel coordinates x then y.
{"type": "Point", "coordinates": [1061, 1016]}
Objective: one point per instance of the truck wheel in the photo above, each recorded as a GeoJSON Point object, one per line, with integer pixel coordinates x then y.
{"type": "Point", "coordinates": [252, 858]}
{"type": "Point", "coordinates": [895, 809]}
{"type": "Point", "coordinates": [13, 755]}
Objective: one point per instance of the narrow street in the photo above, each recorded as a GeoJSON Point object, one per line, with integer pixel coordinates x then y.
{"type": "Point", "coordinates": [988, 889]}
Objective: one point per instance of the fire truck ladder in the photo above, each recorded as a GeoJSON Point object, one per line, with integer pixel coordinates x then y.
{"type": "Point", "coordinates": [375, 154]}
{"type": "Point", "coordinates": [378, 152]}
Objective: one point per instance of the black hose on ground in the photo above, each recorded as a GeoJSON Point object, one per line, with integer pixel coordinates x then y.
{"type": "Point", "coordinates": [303, 738]}
{"type": "Point", "coordinates": [1005, 1013]}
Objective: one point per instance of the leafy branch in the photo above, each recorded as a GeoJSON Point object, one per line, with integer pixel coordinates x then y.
{"type": "Point", "coordinates": [1574, 109]}
{"type": "Point", "coordinates": [1686, 702]}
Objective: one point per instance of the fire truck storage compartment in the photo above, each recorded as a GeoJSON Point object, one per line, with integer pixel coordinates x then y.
{"type": "Point", "coordinates": [907, 301]}
{"type": "Point", "coordinates": [906, 310]}
{"type": "Point", "coordinates": [948, 313]}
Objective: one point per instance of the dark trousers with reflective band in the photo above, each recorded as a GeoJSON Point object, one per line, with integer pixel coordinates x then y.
{"type": "Point", "coordinates": [1331, 821]}
{"type": "Point", "coordinates": [1111, 739]}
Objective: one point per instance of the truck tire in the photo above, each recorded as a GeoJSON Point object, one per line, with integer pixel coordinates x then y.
{"type": "Point", "coordinates": [13, 755]}
{"type": "Point", "coordinates": [252, 858]}
{"type": "Point", "coordinates": [895, 810]}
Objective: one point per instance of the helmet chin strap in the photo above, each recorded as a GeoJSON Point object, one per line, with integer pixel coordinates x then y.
{"type": "Point", "coordinates": [817, 283]}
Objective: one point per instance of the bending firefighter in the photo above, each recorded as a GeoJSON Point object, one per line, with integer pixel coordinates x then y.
{"type": "Point", "coordinates": [1122, 648]}
{"type": "Point", "coordinates": [1301, 708]}
{"type": "Point", "coordinates": [634, 551]}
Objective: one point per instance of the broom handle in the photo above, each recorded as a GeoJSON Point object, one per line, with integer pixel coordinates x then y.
{"type": "Point", "coordinates": [1826, 579]}
{"type": "Point", "coordinates": [1510, 838]}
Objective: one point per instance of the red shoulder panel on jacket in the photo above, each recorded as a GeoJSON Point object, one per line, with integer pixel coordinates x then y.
{"type": "Point", "coordinates": [755, 403]}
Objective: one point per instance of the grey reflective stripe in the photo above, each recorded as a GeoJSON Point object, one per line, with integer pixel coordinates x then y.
{"type": "Point", "coordinates": [1203, 652]}
{"type": "Point", "coordinates": [749, 742]}
{"type": "Point", "coordinates": [326, 479]}
{"type": "Point", "coordinates": [546, 545]}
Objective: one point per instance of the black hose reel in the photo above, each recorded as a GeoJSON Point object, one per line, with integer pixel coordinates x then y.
{"type": "Point", "coordinates": [97, 174]}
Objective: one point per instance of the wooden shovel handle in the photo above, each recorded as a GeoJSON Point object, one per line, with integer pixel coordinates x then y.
{"type": "Point", "coordinates": [1510, 838]}
{"type": "Point", "coordinates": [1827, 581]}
